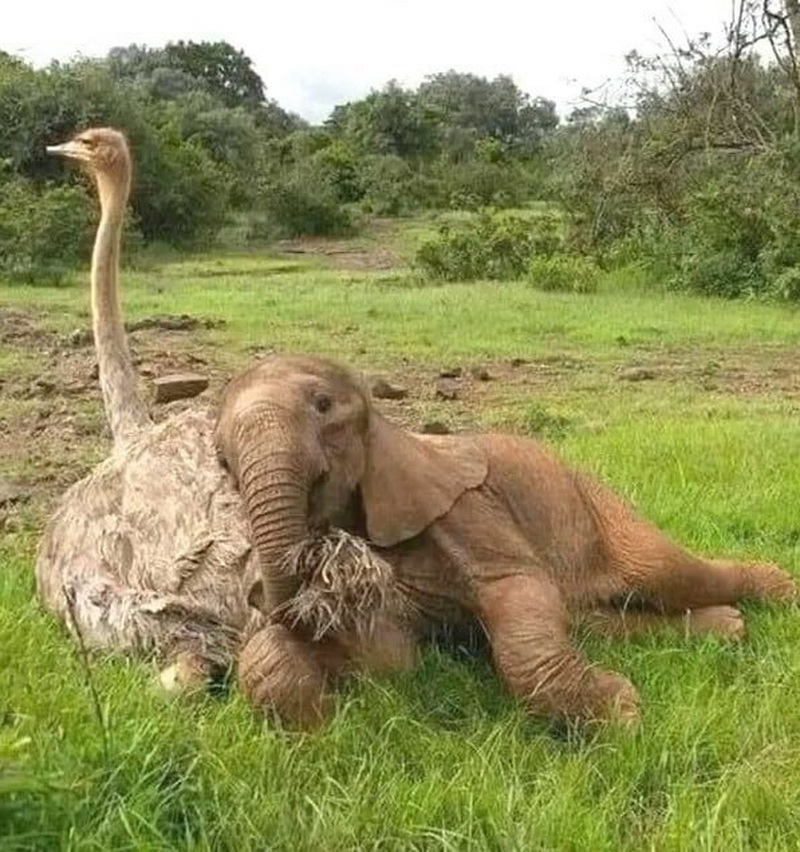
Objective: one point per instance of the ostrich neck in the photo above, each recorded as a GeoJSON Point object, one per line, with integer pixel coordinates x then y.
{"type": "Point", "coordinates": [124, 407]}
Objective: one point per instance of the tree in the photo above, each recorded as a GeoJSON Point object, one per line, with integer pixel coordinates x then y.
{"type": "Point", "coordinates": [227, 72]}
{"type": "Point", "coordinates": [391, 121]}
{"type": "Point", "coordinates": [468, 108]}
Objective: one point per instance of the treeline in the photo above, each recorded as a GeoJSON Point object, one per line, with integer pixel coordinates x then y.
{"type": "Point", "coordinates": [210, 145]}
{"type": "Point", "coordinates": [692, 173]}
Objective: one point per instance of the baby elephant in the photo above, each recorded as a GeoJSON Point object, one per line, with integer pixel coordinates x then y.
{"type": "Point", "coordinates": [489, 530]}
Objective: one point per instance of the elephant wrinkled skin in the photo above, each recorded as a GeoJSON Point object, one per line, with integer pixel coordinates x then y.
{"type": "Point", "coordinates": [489, 530]}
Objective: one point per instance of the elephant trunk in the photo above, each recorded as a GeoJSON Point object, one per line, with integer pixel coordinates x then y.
{"type": "Point", "coordinates": [275, 487]}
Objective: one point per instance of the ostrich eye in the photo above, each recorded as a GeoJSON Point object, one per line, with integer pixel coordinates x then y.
{"type": "Point", "coordinates": [89, 143]}
{"type": "Point", "coordinates": [323, 403]}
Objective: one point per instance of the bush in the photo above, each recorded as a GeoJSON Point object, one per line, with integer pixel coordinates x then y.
{"type": "Point", "coordinates": [180, 196]}
{"type": "Point", "coordinates": [729, 274]}
{"type": "Point", "coordinates": [787, 285]}
{"type": "Point", "coordinates": [304, 204]}
{"type": "Point", "coordinates": [563, 273]}
{"type": "Point", "coordinates": [338, 167]}
{"type": "Point", "coordinates": [475, 183]}
{"type": "Point", "coordinates": [43, 233]}
{"type": "Point", "coordinates": [389, 186]}
{"type": "Point", "coordinates": [491, 245]}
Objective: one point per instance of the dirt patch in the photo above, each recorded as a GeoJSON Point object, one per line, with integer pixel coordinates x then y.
{"type": "Point", "coordinates": [52, 425]}
{"type": "Point", "coordinates": [357, 254]}
{"type": "Point", "coordinates": [747, 371]}
{"type": "Point", "coordinates": [182, 322]}
{"type": "Point", "coordinates": [18, 328]}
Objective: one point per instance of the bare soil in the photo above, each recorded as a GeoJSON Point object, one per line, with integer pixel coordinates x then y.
{"type": "Point", "coordinates": [359, 254]}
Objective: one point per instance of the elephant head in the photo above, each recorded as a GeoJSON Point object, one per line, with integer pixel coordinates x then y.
{"type": "Point", "coordinates": [308, 449]}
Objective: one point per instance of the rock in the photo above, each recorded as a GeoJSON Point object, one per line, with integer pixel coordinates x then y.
{"type": "Point", "coordinates": [450, 373]}
{"type": "Point", "coordinates": [381, 389]}
{"type": "Point", "coordinates": [12, 492]}
{"type": "Point", "coordinates": [179, 386]}
{"type": "Point", "coordinates": [480, 374]}
{"type": "Point", "coordinates": [637, 374]}
{"type": "Point", "coordinates": [447, 389]}
{"type": "Point", "coordinates": [435, 427]}
{"type": "Point", "coordinates": [94, 373]}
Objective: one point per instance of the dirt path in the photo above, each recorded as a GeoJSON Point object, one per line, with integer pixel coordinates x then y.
{"type": "Point", "coordinates": [372, 251]}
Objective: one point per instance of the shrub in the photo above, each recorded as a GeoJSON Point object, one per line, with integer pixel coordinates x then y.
{"type": "Point", "coordinates": [475, 183]}
{"type": "Point", "coordinates": [491, 245]}
{"type": "Point", "coordinates": [338, 166]}
{"type": "Point", "coordinates": [43, 233]}
{"type": "Point", "coordinates": [304, 204]}
{"type": "Point", "coordinates": [389, 186]}
{"type": "Point", "coordinates": [729, 274]}
{"type": "Point", "coordinates": [180, 195]}
{"type": "Point", "coordinates": [787, 285]}
{"type": "Point", "coordinates": [563, 273]}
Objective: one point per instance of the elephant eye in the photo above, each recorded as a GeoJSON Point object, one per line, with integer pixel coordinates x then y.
{"type": "Point", "coordinates": [323, 403]}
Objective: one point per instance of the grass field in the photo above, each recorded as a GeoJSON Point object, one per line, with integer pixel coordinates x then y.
{"type": "Point", "coordinates": [706, 443]}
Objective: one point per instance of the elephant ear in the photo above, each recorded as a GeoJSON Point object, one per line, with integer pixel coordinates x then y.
{"type": "Point", "coordinates": [411, 480]}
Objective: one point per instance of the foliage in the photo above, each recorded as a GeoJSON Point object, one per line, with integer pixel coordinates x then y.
{"type": "Point", "coordinates": [490, 245]}
{"type": "Point", "coordinates": [209, 145]}
{"type": "Point", "coordinates": [303, 203]}
{"type": "Point", "coordinates": [787, 285]}
{"type": "Point", "coordinates": [389, 185]}
{"type": "Point", "coordinates": [702, 182]}
{"type": "Point", "coordinates": [195, 153]}
{"type": "Point", "coordinates": [42, 232]}
{"type": "Point", "coordinates": [182, 198]}
{"type": "Point", "coordinates": [475, 183]}
{"type": "Point", "coordinates": [563, 273]}
{"type": "Point", "coordinates": [468, 109]}
{"type": "Point", "coordinates": [391, 121]}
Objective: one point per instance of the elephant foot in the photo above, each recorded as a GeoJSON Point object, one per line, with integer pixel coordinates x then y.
{"type": "Point", "coordinates": [283, 674]}
{"type": "Point", "coordinates": [766, 581]}
{"type": "Point", "coordinates": [610, 698]}
{"type": "Point", "coordinates": [724, 622]}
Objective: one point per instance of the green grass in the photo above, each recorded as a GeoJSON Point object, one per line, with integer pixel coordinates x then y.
{"type": "Point", "coordinates": [441, 758]}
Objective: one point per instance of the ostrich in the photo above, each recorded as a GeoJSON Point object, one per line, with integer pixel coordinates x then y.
{"type": "Point", "coordinates": [150, 552]}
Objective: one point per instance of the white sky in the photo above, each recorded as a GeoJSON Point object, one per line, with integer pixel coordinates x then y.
{"type": "Point", "coordinates": [313, 54]}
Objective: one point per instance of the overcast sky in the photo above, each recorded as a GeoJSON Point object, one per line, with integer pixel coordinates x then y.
{"type": "Point", "coordinates": [313, 54]}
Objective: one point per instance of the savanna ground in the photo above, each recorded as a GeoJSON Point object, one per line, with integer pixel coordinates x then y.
{"type": "Point", "coordinates": [689, 407]}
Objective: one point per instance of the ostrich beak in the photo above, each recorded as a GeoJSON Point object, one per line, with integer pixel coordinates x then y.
{"type": "Point", "coordinates": [72, 150]}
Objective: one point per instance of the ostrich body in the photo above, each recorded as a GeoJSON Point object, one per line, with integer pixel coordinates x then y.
{"type": "Point", "coordinates": [151, 551]}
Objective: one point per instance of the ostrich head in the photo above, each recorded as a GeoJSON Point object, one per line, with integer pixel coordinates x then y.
{"type": "Point", "coordinates": [101, 150]}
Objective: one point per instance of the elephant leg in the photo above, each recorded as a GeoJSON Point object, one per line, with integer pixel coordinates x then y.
{"type": "Point", "coordinates": [528, 624]}
{"type": "Point", "coordinates": [673, 581]}
{"type": "Point", "coordinates": [725, 622]}
{"type": "Point", "coordinates": [642, 562]}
